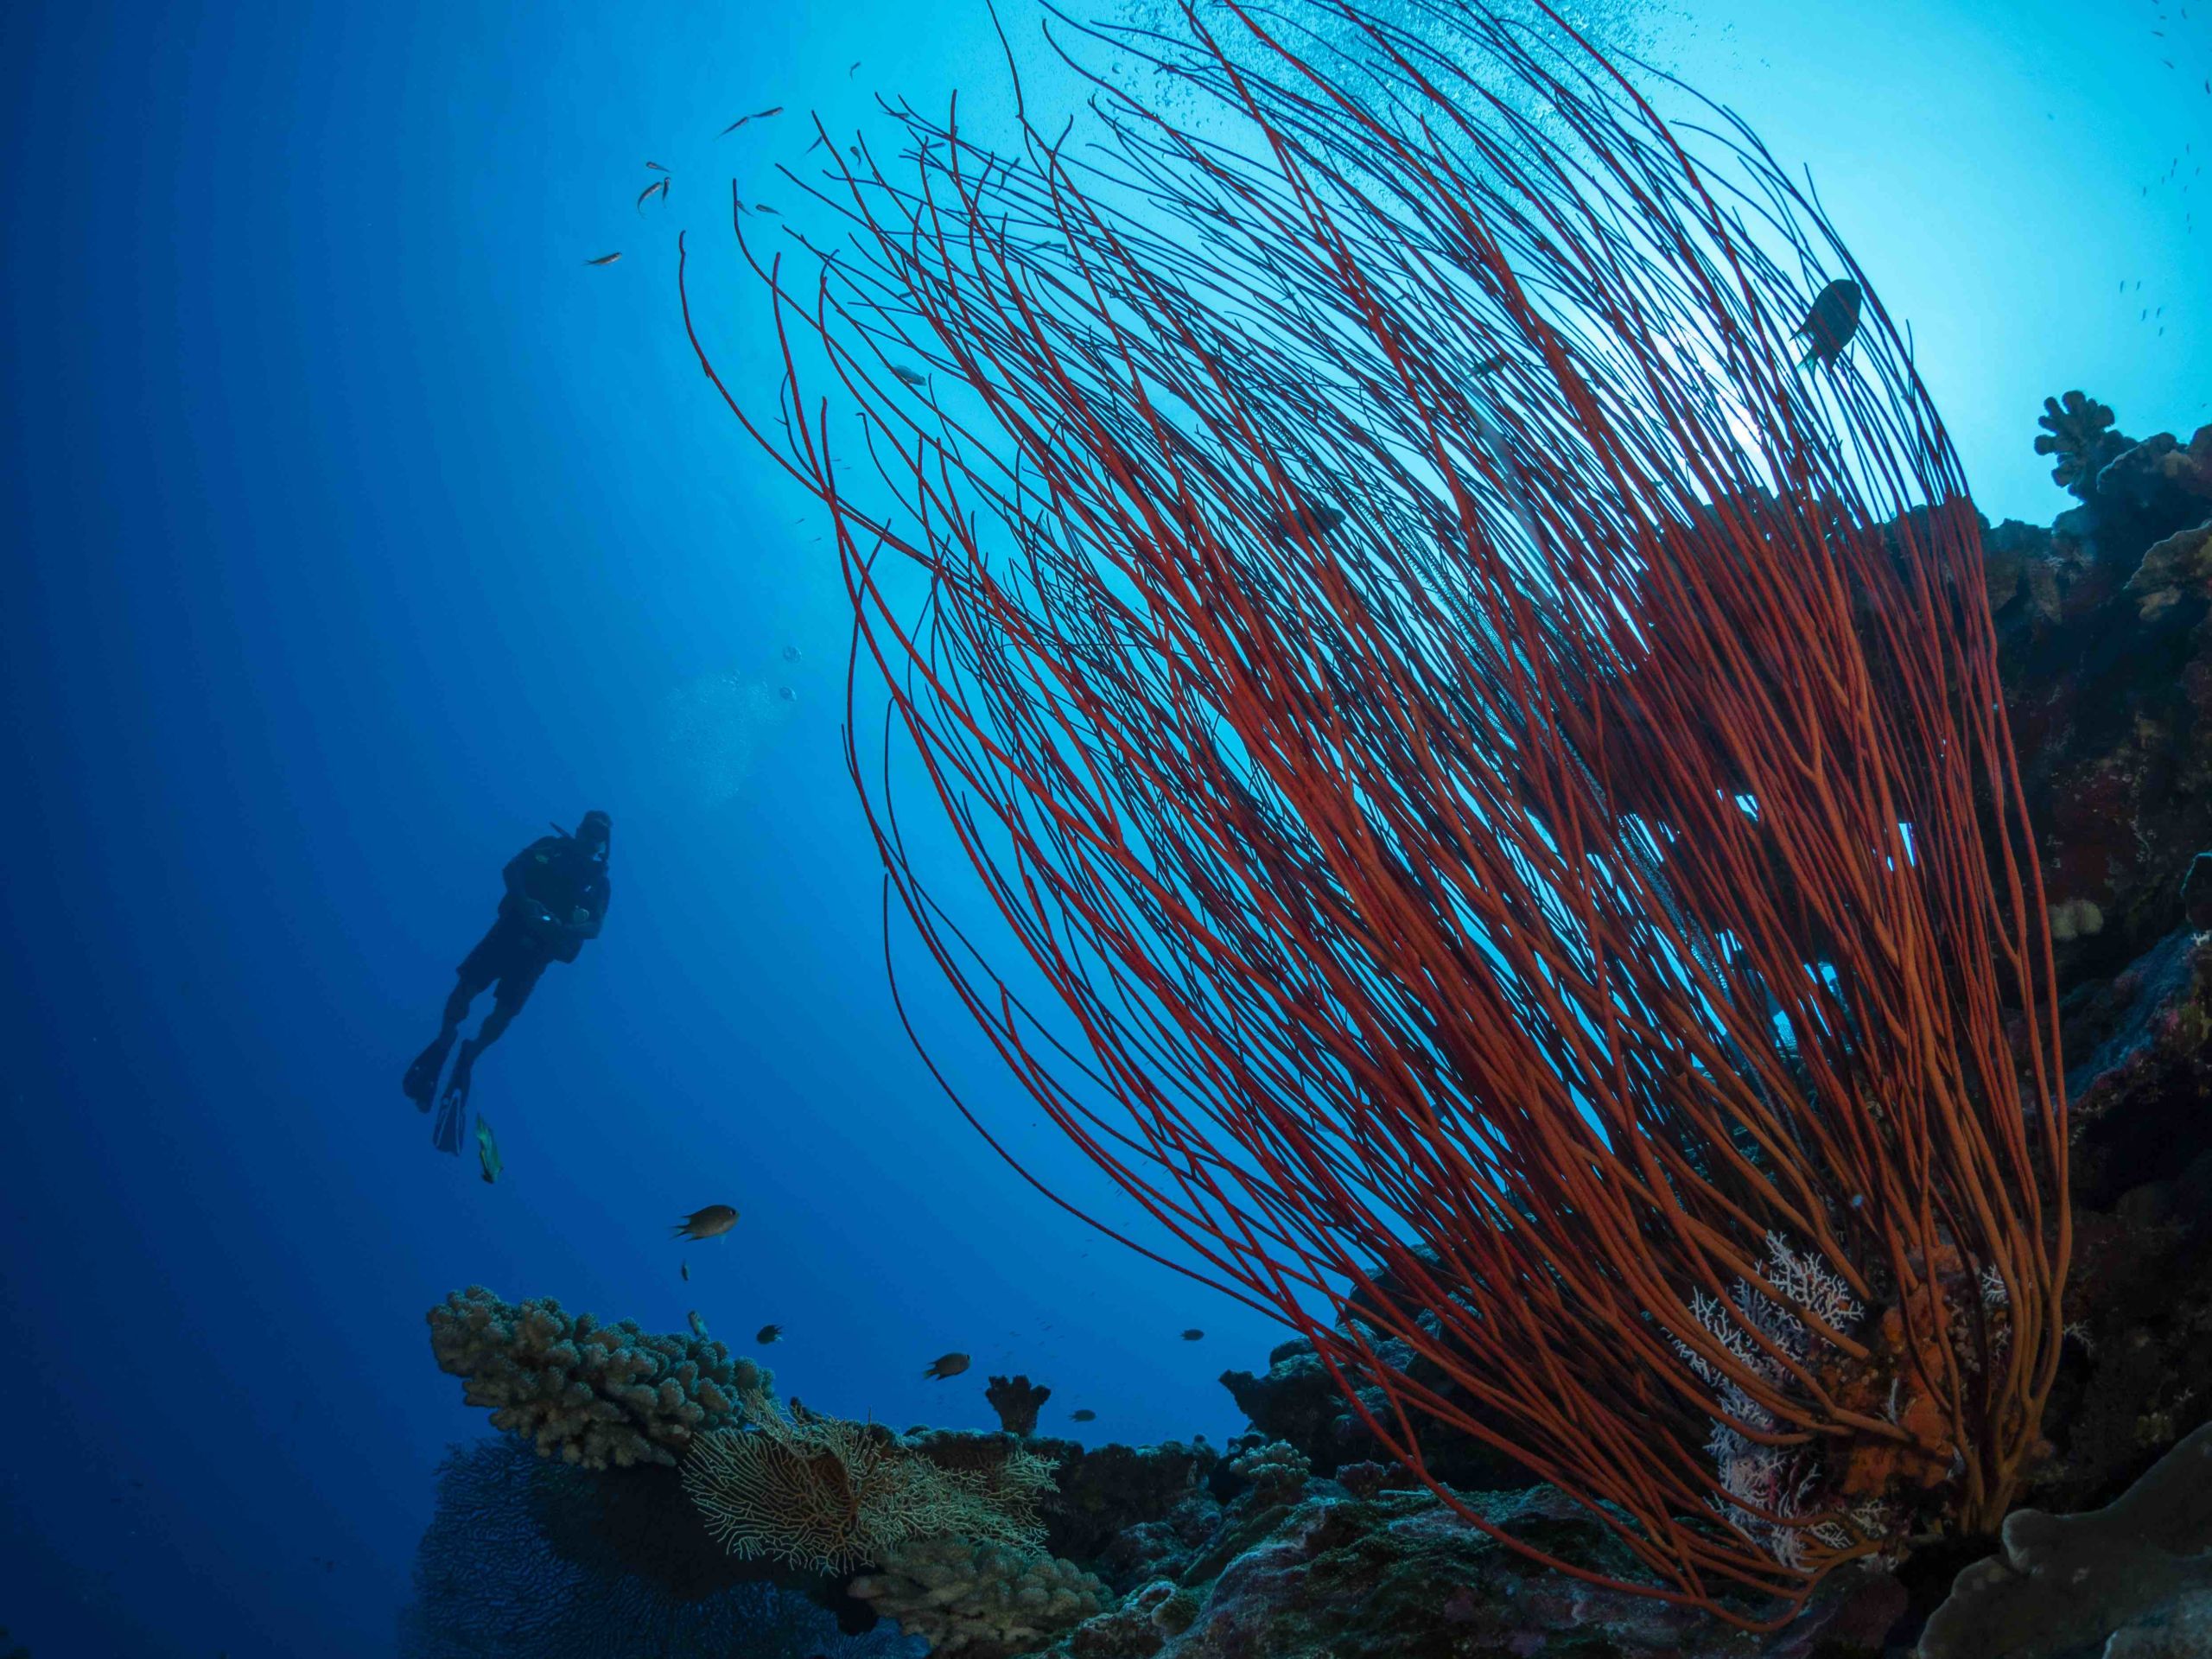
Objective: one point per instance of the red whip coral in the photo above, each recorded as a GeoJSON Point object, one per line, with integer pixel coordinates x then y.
{"type": "Point", "coordinates": [1503, 779]}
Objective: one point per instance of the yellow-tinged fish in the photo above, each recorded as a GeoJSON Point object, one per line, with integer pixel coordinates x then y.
{"type": "Point", "coordinates": [710, 1222]}
{"type": "Point", "coordinates": [487, 1149]}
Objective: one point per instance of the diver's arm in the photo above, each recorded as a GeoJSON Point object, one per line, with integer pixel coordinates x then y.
{"type": "Point", "coordinates": [592, 909]}
{"type": "Point", "coordinates": [517, 871]}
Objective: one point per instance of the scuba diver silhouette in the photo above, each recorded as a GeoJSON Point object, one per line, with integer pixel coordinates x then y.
{"type": "Point", "coordinates": [555, 900]}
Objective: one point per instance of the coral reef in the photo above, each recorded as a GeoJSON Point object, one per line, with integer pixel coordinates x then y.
{"type": "Point", "coordinates": [1017, 1400]}
{"type": "Point", "coordinates": [1299, 1402]}
{"type": "Point", "coordinates": [2134, 1379]}
{"type": "Point", "coordinates": [1105, 1490]}
{"type": "Point", "coordinates": [1275, 1469]}
{"type": "Point", "coordinates": [1304, 1539]}
{"type": "Point", "coordinates": [2066, 1584]}
{"type": "Point", "coordinates": [516, 1563]}
{"type": "Point", "coordinates": [1401, 1576]}
{"type": "Point", "coordinates": [824, 1493]}
{"type": "Point", "coordinates": [601, 1395]}
{"type": "Point", "coordinates": [2106, 652]}
{"type": "Point", "coordinates": [2077, 432]}
{"type": "Point", "coordinates": [982, 1600]}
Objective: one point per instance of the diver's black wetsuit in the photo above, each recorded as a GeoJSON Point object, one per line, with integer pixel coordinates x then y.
{"type": "Point", "coordinates": [555, 900]}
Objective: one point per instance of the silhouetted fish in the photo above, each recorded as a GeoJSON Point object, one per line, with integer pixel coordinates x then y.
{"type": "Point", "coordinates": [710, 1222]}
{"type": "Point", "coordinates": [1832, 323]}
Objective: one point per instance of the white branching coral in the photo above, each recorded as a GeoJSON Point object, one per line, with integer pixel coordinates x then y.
{"type": "Point", "coordinates": [1764, 1481]}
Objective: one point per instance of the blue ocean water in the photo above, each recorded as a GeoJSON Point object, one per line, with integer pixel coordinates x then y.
{"type": "Point", "coordinates": [357, 528]}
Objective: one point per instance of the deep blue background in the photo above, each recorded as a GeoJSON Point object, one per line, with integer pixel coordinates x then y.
{"type": "Point", "coordinates": [354, 528]}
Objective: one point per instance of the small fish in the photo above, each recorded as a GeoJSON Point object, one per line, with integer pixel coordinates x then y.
{"type": "Point", "coordinates": [487, 1150]}
{"type": "Point", "coordinates": [785, 691]}
{"type": "Point", "coordinates": [1832, 322]}
{"type": "Point", "coordinates": [1086, 1415]}
{"type": "Point", "coordinates": [684, 1269]}
{"type": "Point", "coordinates": [854, 65]}
{"type": "Point", "coordinates": [660, 185]}
{"type": "Point", "coordinates": [1194, 1335]}
{"type": "Point", "coordinates": [604, 259]}
{"type": "Point", "coordinates": [763, 208]}
{"type": "Point", "coordinates": [818, 141]}
{"type": "Point", "coordinates": [946, 1365]}
{"type": "Point", "coordinates": [768, 1333]}
{"type": "Point", "coordinates": [1309, 521]}
{"type": "Point", "coordinates": [907, 376]}
{"type": "Point", "coordinates": [710, 1222]}
{"type": "Point", "coordinates": [698, 1324]}
{"type": "Point", "coordinates": [657, 166]}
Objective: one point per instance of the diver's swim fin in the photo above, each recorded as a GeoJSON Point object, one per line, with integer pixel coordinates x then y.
{"type": "Point", "coordinates": [452, 1105]}
{"type": "Point", "coordinates": [452, 1119]}
{"type": "Point", "coordinates": [421, 1085]}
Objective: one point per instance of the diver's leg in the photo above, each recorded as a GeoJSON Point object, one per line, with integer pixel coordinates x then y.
{"type": "Point", "coordinates": [422, 1081]}
{"type": "Point", "coordinates": [515, 987]}
{"type": "Point", "coordinates": [477, 969]}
